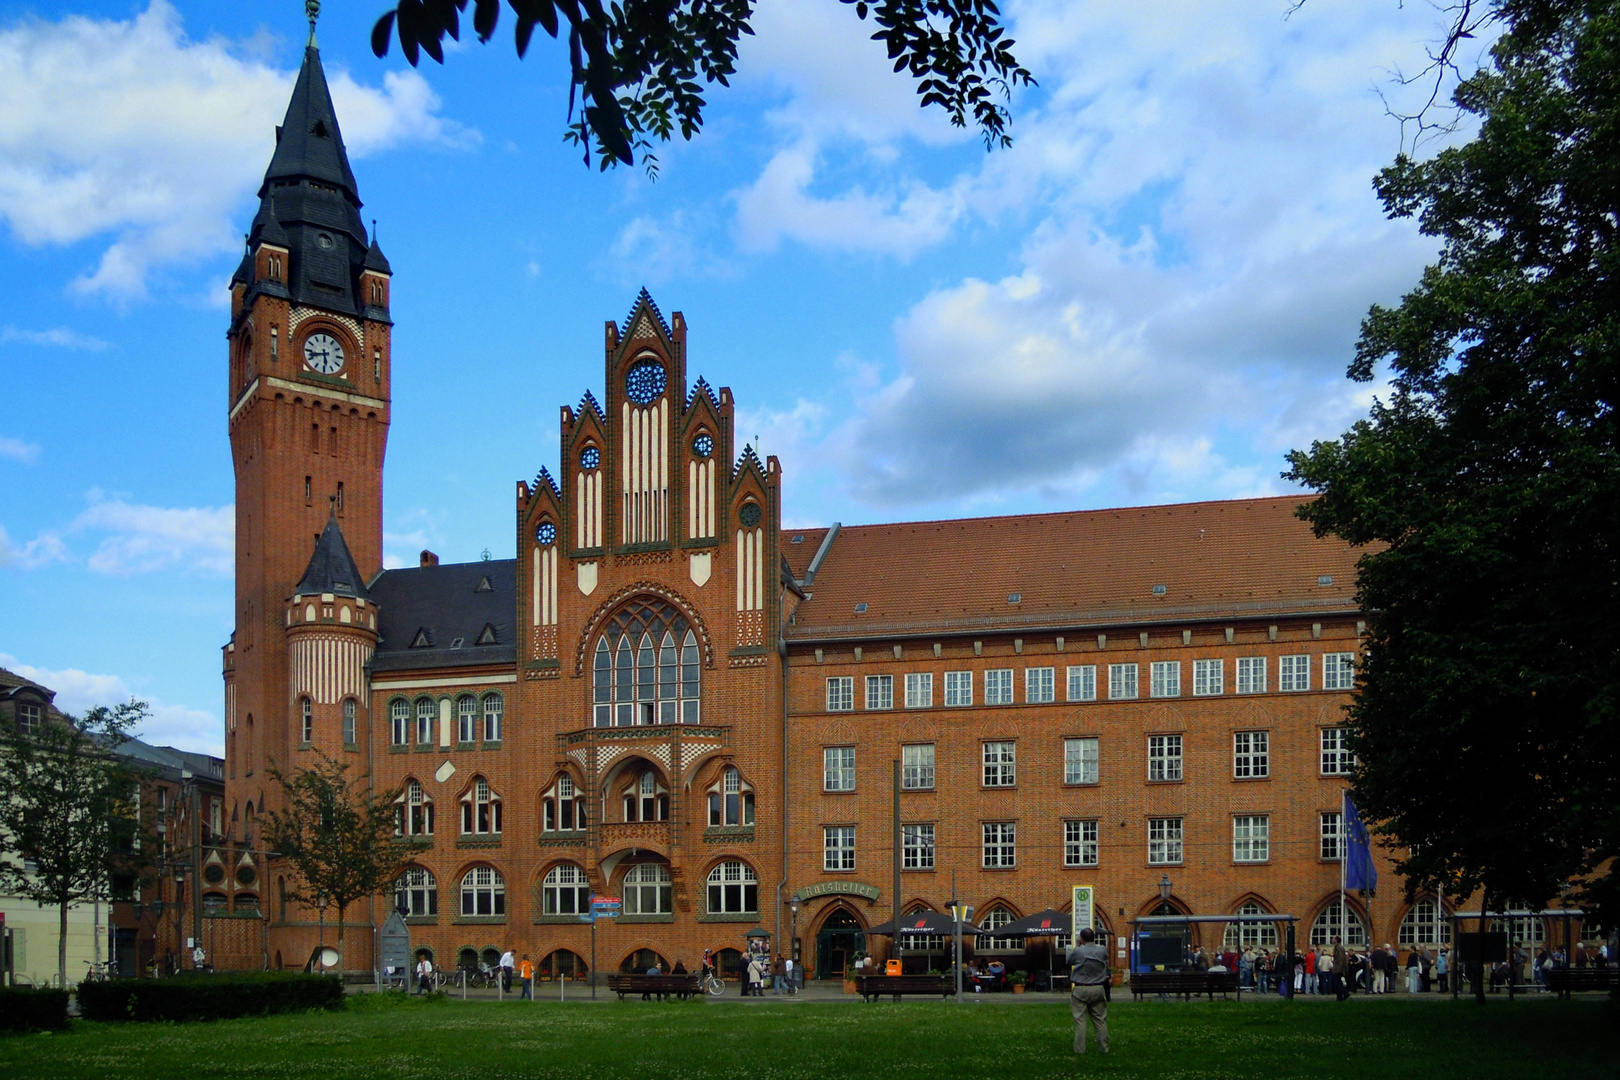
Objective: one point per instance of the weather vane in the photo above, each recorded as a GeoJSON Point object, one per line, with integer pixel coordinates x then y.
{"type": "Point", "coordinates": [312, 8]}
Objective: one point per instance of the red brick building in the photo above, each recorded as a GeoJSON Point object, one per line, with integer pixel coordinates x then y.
{"type": "Point", "coordinates": [668, 698]}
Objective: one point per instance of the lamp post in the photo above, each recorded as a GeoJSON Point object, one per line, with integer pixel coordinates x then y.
{"type": "Point", "coordinates": [1164, 888]}
{"type": "Point", "coordinates": [793, 944]}
{"type": "Point", "coordinates": [179, 871]}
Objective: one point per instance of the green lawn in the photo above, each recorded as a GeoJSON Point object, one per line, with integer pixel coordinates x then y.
{"type": "Point", "coordinates": [1313, 1040]}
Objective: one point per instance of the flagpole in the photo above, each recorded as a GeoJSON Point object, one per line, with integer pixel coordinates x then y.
{"type": "Point", "coordinates": [1344, 863]}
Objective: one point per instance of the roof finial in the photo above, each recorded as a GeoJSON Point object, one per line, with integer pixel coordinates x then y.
{"type": "Point", "coordinates": [312, 8]}
{"type": "Point", "coordinates": [331, 499]}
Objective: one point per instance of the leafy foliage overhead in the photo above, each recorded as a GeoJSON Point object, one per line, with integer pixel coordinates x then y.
{"type": "Point", "coordinates": [1487, 485]}
{"type": "Point", "coordinates": [636, 64]}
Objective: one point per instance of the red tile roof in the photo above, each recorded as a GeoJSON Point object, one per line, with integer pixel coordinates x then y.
{"type": "Point", "coordinates": [1237, 559]}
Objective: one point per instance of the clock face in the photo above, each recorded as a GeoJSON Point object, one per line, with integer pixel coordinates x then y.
{"type": "Point", "coordinates": [323, 354]}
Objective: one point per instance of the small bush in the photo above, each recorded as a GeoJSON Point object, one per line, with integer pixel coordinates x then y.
{"type": "Point", "coordinates": [209, 996]}
{"type": "Point", "coordinates": [33, 1010]}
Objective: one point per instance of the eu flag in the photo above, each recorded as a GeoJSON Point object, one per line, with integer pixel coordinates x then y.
{"type": "Point", "coordinates": [1358, 868]}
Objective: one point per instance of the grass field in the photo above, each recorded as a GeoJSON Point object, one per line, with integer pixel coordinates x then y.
{"type": "Point", "coordinates": [403, 1040]}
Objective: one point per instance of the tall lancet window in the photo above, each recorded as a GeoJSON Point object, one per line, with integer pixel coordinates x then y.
{"type": "Point", "coordinates": [645, 668]}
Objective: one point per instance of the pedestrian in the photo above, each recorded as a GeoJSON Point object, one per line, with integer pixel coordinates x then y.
{"type": "Point", "coordinates": [424, 973]}
{"type": "Point", "coordinates": [1414, 971]}
{"type": "Point", "coordinates": [1341, 970]}
{"type": "Point", "coordinates": [1442, 969]}
{"type": "Point", "coordinates": [778, 976]}
{"type": "Point", "coordinates": [1088, 990]}
{"type": "Point", "coordinates": [1312, 961]}
{"type": "Point", "coordinates": [792, 977]}
{"type": "Point", "coordinates": [508, 964]}
{"type": "Point", "coordinates": [525, 972]}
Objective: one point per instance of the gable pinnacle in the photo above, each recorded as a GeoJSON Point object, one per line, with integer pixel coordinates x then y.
{"type": "Point", "coordinates": [312, 8]}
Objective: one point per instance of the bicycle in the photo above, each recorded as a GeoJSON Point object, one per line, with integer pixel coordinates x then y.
{"type": "Point", "coordinates": [710, 984]}
{"type": "Point", "coordinates": [100, 971]}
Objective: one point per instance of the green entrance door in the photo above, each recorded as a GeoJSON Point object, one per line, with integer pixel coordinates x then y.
{"type": "Point", "coordinates": [839, 939]}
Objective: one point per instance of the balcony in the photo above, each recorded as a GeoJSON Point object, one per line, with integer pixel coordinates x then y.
{"type": "Point", "coordinates": [674, 747]}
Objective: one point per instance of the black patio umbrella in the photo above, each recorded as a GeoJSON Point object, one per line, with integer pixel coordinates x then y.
{"type": "Point", "coordinates": [923, 923]}
{"type": "Point", "coordinates": [1048, 923]}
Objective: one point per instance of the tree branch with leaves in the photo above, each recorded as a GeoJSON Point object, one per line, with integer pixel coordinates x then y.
{"type": "Point", "coordinates": [70, 818]}
{"type": "Point", "coordinates": [337, 835]}
{"type": "Point", "coordinates": [635, 66]}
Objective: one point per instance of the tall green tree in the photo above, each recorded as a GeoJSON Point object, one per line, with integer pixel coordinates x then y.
{"type": "Point", "coordinates": [70, 812]}
{"type": "Point", "coordinates": [636, 65]}
{"type": "Point", "coordinates": [1486, 487]}
{"type": "Point", "coordinates": [338, 836]}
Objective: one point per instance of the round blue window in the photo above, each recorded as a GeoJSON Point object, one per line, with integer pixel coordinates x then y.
{"type": "Point", "coordinates": [644, 382]}
{"type": "Point", "coordinates": [749, 515]}
{"type": "Point", "coordinates": [590, 458]}
{"type": "Point", "coordinates": [703, 446]}
{"type": "Point", "coordinates": [546, 534]}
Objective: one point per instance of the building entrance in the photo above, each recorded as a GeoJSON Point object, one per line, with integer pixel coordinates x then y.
{"type": "Point", "coordinates": [839, 939]}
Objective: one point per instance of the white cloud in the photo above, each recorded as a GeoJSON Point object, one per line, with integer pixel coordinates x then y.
{"type": "Point", "coordinates": [148, 538]}
{"type": "Point", "coordinates": [167, 137]}
{"type": "Point", "coordinates": [42, 550]}
{"type": "Point", "coordinates": [166, 724]}
{"type": "Point", "coordinates": [57, 337]}
{"type": "Point", "coordinates": [17, 450]}
{"type": "Point", "coordinates": [1202, 241]}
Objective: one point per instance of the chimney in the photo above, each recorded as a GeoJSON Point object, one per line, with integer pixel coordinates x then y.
{"type": "Point", "coordinates": [429, 559]}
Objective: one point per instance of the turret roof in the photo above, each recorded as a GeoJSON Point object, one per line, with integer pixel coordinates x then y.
{"type": "Point", "coordinates": [331, 567]}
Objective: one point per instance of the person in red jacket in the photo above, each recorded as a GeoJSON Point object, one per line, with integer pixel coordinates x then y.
{"type": "Point", "coordinates": [1310, 971]}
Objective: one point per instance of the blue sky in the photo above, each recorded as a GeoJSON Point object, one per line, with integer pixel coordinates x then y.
{"type": "Point", "coordinates": [1151, 297]}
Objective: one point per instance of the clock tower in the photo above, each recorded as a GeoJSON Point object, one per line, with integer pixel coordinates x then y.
{"type": "Point", "coordinates": [308, 413]}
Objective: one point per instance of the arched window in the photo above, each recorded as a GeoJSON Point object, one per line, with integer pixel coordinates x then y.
{"type": "Point", "coordinates": [416, 892]}
{"type": "Point", "coordinates": [350, 723]}
{"type": "Point", "coordinates": [639, 961]}
{"type": "Point", "coordinates": [467, 718]}
{"type": "Point", "coordinates": [915, 943]}
{"type": "Point", "coordinates": [646, 798]}
{"type": "Point", "coordinates": [647, 890]}
{"type": "Point", "coordinates": [494, 710]}
{"type": "Point", "coordinates": [563, 964]}
{"type": "Point", "coordinates": [645, 668]}
{"type": "Point", "coordinates": [733, 889]}
{"type": "Point", "coordinates": [1424, 924]}
{"type": "Point", "coordinates": [425, 712]}
{"type": "Point", "coordinates": [483, 892]}
{"type": "Point", "coordinates": [1328, 926]}
{"type": "Point", "coordinates": [565, 891]}
{"type": "Point", "coordinates": [994, 919]}
{"type": "Point", "coordinates": [306, 728]}
{"type": "Point", "coordinates": [467, 959]}
{"type": "Point", "coordinates": [480, 809]}
{"type": "Point", "coordinates": [1260, 935]}
{"type": "Point", "coordinates": [399, 721]}
{"type": "Point", "coordinates": [731, 801]}
{"type": "Point", "coordinates": [562, 807]}
{"type": "Point", "coordinates": [214, 903]}
{"type": "Point", "coordinates": [413, 811]}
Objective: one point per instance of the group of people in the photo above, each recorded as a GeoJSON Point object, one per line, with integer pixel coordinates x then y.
{"type": "Point", "coordinates": [762, 968]}
{"type": "Point", "coordinates": [1337, 969]}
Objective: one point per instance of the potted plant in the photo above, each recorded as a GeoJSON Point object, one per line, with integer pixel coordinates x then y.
{"type": "Point", "coordinates": [1018, 978]}
{"type": "Point", "coordinates": [850, 986]}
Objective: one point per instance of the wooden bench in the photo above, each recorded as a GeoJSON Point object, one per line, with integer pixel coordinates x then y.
{"type": "Point", "coordinates": [1565, 981]}
{"type": "Point", "coordinates": [895, 986]}
{"type": "Point", "coordinates": [682, 986]}
{"type": "Point", "coordinates": [1184, 984]}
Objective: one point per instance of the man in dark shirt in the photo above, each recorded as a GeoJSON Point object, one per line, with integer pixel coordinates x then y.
{"type": "Point", "coordinates": [1088, 982]}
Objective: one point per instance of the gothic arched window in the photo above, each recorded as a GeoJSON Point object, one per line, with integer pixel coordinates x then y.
{"type": "Point", "coordinates": [562, 807]}
{"type": "Point", "coordinates": [566, 891]}
{"type": "Point", "coordinates": [645, 667]}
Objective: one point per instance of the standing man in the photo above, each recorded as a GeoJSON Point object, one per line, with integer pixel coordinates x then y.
{"type": "Point", "coordinates": [526, 974]}
{"type": "Point", "coordinates": [508, 962]}
{"type": "Point", "coordinates": [792, 977]}
{"type": "Point", "coordinates": [1088, 990]}
{"type": "Point", "coordinates": [424, 973]}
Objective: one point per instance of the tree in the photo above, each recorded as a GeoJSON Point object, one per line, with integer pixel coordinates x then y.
{"type": "Point", "coordinates": [338, 836]}
{"type": "Point", "coordinates": [1486, 489]}
{"type": "Point", "coordinates": [635, 64]}
{"type": "Point", "coordinates": [69, 811]}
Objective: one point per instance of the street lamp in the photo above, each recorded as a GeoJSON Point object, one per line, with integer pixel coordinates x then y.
{"type": "Point", "coordinates": [1164, 888]}
{"type": "Point", "coordinates": [793, 943]}
{"type": "Point", "coordinates": [179, 871]}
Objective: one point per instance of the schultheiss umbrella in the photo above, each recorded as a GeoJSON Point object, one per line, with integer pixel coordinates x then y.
{"type": "Point", "coordinates": [1048, 923]}
{"type": "Point", "coordinates": [923, 923]}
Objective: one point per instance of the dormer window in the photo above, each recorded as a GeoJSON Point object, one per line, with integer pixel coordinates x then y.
{"type": "Point", "coordinates": [30, 718]}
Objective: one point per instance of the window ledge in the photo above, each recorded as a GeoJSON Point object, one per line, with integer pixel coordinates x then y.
{"type": "Point", "coordinates": [478, 920]}
{"type": "Point", "coordinates": [1082, 783]}
{"type": "Point", "coordinates": [837, 791]}
{"type": "Point", "coordinates": [466, 746]}
{"type": "Point", "coordinates": [1250, 779]}
{"type": "Point", "coordinates": [559, 920]}
{"type": "Point", "coordinates": [730, 916]}
{"type": "Point", "coordinates": [479, 842]}
{"type": "Point", "coordinates": [564, 838]}
{"type": "Point", "coordinates": [421, 920]}
{"type": "Point", "coordinates": [929, 790]}
{"type": "Point", "coordinates": [425, 748]}
{"type": "Point", "coordinates": [491, 744]}
{"type": "Point", "coordinates": [399, 748]}
{"type": "Point", "coordinates": [719, 834]}
{"type": "Point", "coordinates": [645, 919]}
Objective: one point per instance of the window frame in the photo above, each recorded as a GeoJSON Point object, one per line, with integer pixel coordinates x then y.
{"type": "Point", "coordinates": [827, 767]}
{"type": "Point", "coordinates": [1294, 673]}
{"type": "Point", "coordinates": [493, 719]}
{"type": "Point", "coordinates": [917, 846]}
{"type": "Point", "coordinates": [650, 879]}
{"type": "Point", "coordinates": [1201, 677]}
{"type": "Point", "coordinates": [918, 775]}
{"type": "Point", "coordinates": [1123, 681]}
{"type": "Point", "coordinates": [466, 719]}
{"type": "Point", "coordinates": [879, 693]}
{"type": "Point", "coordinates": [474, 892]}
{"type": "Point", "coordinates": [1339, 671]}
{"type": "Point", "coordinates": [1001, 771]}
{"type": "Point", "coordinates": [1076, 841]}
{"type": "Point", "coordinates": [1251, 754]}
{"type": "Point", "coordinates": [399, 721]}
{"type": "Point", "coordinates": [424, 719]}
{"type": "Point", "coordinates": [919, 690]}
{"type": "Point", "coordinates": [1000, 845]}
{"type": "Point", "coordinates": [1244, 681]}
{"type": "Point", "coordinates": [958, 689]}
{"type": "Point", "coordinates": [840, 693]}
{"type": "Point", "coordinates": [1164, 679]}
{"type": "Point", "coordinates": [1166, 754]}
{"type": "Point", "coordinates": [553, 892]}
{"type": "Point", "coordinates": [1343, 761]}
{"type": "Point", "coordinates": [1171, 841]}
{"type": "Point", "coordinates": [1040, 685]}
{"type": "Point", "coordinates": [1076, 742]}
{"type": "Point", "coordinates": [1330, 836]}
{"type": "Point", "coordinates": [1251, 838]}
{"type": "Point", "coordinates": [422, 886]}
{"type": "Point", "coordinates": [746, 884]}
{"type": "Point", "coordinates": [838, 849]}
{"type": "Point", "coordinates": [998, 686]}
{"type": "Point", "coordinates": [1082, 682]}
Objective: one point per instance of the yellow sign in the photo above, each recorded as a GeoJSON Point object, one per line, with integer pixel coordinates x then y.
{"type": "Point", "coordinates": [1083, 916]}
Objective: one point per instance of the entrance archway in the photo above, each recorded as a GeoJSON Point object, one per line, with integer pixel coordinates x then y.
{"type": "Point", "coordinates": [841, 936]}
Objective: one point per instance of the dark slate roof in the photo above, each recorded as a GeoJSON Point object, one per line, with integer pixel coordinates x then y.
{"type": "Point", "coordinates": [308, 142]}
{"type": "Point", "coordinates": [331, 569]}
{"type": "Point", "coordinates": [424, 611]}
{"type": "Point", "coordinates": [375, 259]}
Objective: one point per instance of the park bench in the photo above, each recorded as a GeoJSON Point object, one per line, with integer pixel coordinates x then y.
{"type": "Point", "coordinates": [1565, 981]}
{"type": "Point", "coordinates": [1184, 984]}
{"type": "Point", "coordinates": [895, 986]}
{"type": "Point", "coordinates": [682, 986]}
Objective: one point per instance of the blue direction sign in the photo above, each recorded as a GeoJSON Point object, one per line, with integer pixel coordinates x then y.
{"type": "Point", "coordinates": [606, 907]}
